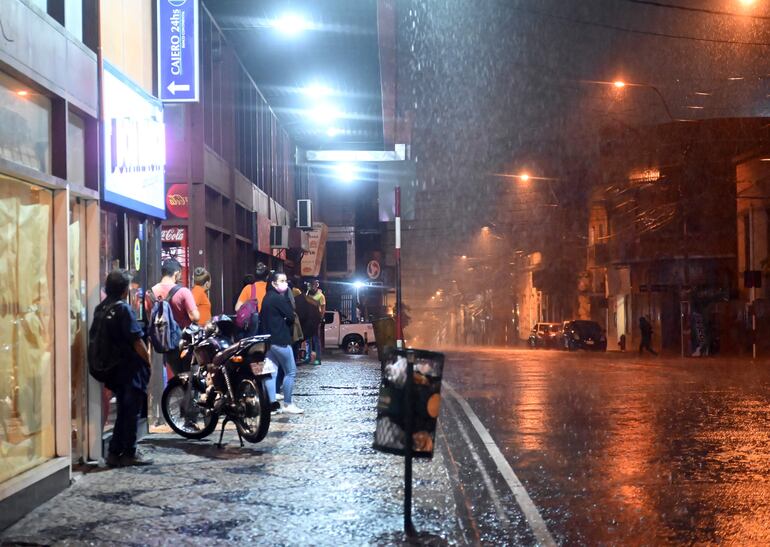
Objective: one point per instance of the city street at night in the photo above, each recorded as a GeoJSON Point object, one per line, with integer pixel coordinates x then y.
{"type": "Point", "coordinates": [609, 448]}
{"type": "Point", "coordinates": [440, 272]}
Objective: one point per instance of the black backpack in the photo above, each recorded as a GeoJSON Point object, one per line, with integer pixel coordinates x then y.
{"type": "Point", "coordinates": [102, 355]}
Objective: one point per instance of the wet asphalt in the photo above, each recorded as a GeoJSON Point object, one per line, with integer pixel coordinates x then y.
{"type": "Point", "coordinates": [615, 449]}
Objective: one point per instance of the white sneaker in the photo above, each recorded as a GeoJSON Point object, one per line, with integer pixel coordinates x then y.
{"type": "Point", "coordinates": [278, 397]}
{"type": "Point", "coordinates": [292, 409]}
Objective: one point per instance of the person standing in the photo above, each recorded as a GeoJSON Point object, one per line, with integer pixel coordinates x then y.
{"type": "Point", "coordinates": [200, 291]}
{"type": "Point", "coordinates": [276, 318]}
{"type": "Point", "coordinates": [129, 378]}
{"type": "Point", "coordinates": [317, 294]}
{"type": "Point", "coordinates": [254, 292]}
{"type": "Point", "coordinates": [180, 299]}
{"type": "Point", "coordinates": [646, 329]}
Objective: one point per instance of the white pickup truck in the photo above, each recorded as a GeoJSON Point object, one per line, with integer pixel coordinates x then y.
{"type": "Point", "coordinates": [353, 338]}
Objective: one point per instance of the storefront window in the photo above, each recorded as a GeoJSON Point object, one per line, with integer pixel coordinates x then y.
{"type": "Point", "coordinates": [25, 125]}
{"type": "Point", "coordinates": [76, 149]}
{"type": "Point", "coordinates": [26, 327]}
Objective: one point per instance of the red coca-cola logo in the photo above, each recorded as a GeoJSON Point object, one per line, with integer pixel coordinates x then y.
{"type": "Point", "coordinates": [178, 201]}
{"type": "Point", "coordinates": [172, 235]}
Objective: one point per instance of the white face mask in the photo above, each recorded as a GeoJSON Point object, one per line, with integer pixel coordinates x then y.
{"type": "Point", "coordinates": [282, 286]}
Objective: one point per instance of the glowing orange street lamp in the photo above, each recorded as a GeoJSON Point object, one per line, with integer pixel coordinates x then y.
{"type": "Point", "coordinates": [619, 84]}
{"type": "Point", "coordinates": [524, 177]}
{"type": "Point", "coordinates": [22, 93]}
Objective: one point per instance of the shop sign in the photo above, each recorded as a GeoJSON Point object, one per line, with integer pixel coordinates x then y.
{"type": "Point", "coordinates": [174, 234]}
{"type": "Point", "coordinates": [644, 175]}
{"type": "Point", "coordinates": [178, 50]}
{"type": "Point", "coordinates": [174, 245]}
{"type": "Point", "coordinates": [134, 146]}
{"type": "Point", "coordinates": [314, 256]}
{"type": "Point", "coordinates": [178, 201]}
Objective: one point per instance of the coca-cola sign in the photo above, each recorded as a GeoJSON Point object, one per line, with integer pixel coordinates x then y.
{"type": "Point", "coordinates": [178, 201]}
{"type": "Point", "coordinates": [174, 234]}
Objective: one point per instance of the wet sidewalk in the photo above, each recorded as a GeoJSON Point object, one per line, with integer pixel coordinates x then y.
{"type": "Point", "coordinates": [315, 480]}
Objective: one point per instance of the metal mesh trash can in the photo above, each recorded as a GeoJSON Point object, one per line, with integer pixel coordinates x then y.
{"type": "Point", "coordinates": [399, 412]}
{"type": "Point", "coordinates": [384, 337]}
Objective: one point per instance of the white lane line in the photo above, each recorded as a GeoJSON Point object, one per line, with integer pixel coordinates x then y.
{"type": "Point", "coordinates": [502, 517]}
{"type": "Point", "coordinates": [535, 521]}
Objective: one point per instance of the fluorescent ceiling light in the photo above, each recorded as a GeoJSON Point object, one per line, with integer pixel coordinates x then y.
{"type": "Point", "coordinates": [317, 90]}
{"type": "Point", "coordinates": [324, 113]}
{"type": "Point", "coordinates": [333, 131]}
{"type": "Point", "coordinates": [346, 172]}
{"type": "Point", "coordinates": [290, 24]}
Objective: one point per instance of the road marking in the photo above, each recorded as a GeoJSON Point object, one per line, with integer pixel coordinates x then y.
{"type": "Point", "coordinates": [502, 517]}
{"type": "Point", "coordinates": [535, 521]}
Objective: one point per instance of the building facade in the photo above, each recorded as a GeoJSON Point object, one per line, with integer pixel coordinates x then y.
{"type": "Point", "coordinates": [662, 242]}
{"type": "Point", "coordinates": [49, 248]}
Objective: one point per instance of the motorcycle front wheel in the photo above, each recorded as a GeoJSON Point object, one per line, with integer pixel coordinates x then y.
{"type": "Point", "coordinates": [196, 423]}
{"type": "Point", "coordinates": [255, 419]}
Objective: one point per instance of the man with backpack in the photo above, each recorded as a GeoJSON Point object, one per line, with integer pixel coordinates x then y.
{"type": "Point", "coordinates": [164, 327]}
{"type": "Point", "coordinates": [118, 356]}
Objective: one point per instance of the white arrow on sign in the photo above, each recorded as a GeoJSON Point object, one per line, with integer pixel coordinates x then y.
{"type": "Point", "coordinates": [173, 87]}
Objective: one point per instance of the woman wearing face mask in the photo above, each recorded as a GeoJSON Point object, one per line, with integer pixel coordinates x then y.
{"type": "Point", "coordinates": [276, 318]}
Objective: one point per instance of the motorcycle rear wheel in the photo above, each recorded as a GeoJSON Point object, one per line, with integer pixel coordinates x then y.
{"type": "Point", "coordinates": [171, 404]}
{"type": "Point", "coordinates": [256, 422]}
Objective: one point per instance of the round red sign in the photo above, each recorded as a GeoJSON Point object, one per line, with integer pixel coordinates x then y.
{"type": "Point", "coordinates": [177, 200]}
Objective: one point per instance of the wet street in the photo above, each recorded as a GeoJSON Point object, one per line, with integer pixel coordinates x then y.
{"type": "Point", "coordinates": [533, 447]}
{"type": "Point", "coordinates": [617, 449]}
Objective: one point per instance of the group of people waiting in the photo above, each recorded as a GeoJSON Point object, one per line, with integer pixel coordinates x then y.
{"type": "Point", "coordinates": [290, 316]}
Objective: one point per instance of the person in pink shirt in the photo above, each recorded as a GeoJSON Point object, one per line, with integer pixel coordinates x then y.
{"type": "Point", "coordinates": [182, 303]}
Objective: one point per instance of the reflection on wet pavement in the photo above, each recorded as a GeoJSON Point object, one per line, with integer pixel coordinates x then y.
{"type": "Point", "coordinates": [613, 448]}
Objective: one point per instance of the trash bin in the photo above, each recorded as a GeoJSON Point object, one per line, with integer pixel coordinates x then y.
{"type": "Point", "coordinates": [425, 398]}
{"type": "Point", "coordinates": [384, 337]}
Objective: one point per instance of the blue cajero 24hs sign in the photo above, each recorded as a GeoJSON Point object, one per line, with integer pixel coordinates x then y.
{"type": "Point", "coordinates": [178, 50]}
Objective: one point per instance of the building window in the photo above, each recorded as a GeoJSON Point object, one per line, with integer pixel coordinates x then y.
{"type": "Point", "coordinates": [26, 334]}
{"type": "Point", "coordinates": [76, 149]}
{"type": "Point", "coordinates": [73, 18]}
{"type": "Point", "coordinates": [25, 125]}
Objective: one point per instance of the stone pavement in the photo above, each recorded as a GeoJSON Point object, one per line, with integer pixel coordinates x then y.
{"type": "Point", "coordinates": [315, 480]}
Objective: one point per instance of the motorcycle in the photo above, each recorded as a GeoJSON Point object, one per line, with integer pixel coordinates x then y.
{"type": "Point", "coordinates": [226, 378]}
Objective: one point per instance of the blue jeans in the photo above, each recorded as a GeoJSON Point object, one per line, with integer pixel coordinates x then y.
{"type": "Point", "coordinates": [315, 346]}
{"type": "Point", "coordinates": [283, 357]}
{"type": "Point", "coordinates": [129, 401]}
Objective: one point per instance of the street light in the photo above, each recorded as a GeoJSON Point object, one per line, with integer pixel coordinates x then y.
{"type": "Point", "coordinates": [290, 24]}
{"type": "Point", "coordinates": [346, 172]}
{"type": "Point", "coordinates": [620, 84]}
{"type": "Point", "coordinates": [324, 113]}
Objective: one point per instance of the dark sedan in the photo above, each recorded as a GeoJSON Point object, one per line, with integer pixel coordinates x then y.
{"type": "Point", "coordinates": [582, 334]}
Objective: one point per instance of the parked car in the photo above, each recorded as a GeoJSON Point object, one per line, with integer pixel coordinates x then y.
{"type": "Point", "coordinates": [353, 338]}
{"type": "Point", "coordinates": [582, 334]}
{"type": "Point", "coordinates": [545, 335]}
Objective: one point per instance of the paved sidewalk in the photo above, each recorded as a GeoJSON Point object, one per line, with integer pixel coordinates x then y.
{"type": "Point", "coordinates": [315, 480]}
